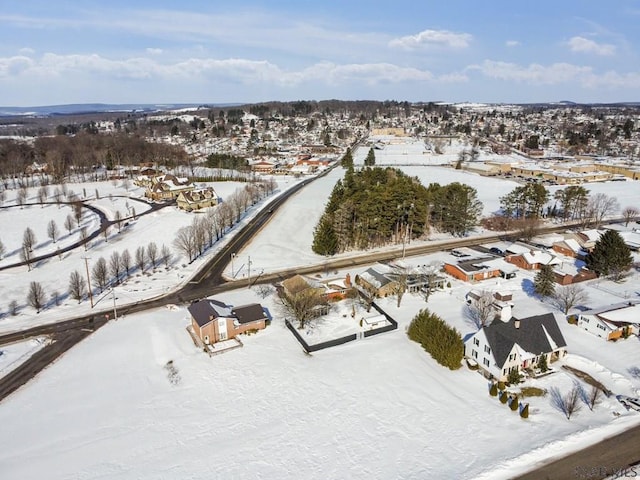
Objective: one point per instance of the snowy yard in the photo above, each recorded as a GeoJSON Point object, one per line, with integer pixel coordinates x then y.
{"type": "Point", "coordinates": [377, 408]}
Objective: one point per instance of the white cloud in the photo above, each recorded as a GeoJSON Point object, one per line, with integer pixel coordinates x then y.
{"type": "Point", "coordinates": [13, 66]}
{"type": "Point", "coordinates": [426, 38]}
{"type": "Point", "coordinates": [533, 73]}
{"type": "Point", "coordinates": [512, 43]}
{"type": "Point", "coordinates": [235, 70]}
{"type": "Point", "coordinates": [558, 73]}
{"type": "Point", "coordinates": [584, 45]}
{"type": "Point", "coordinates": [154, 51]}
{"type": "Point", "coordinates": [26, 51]}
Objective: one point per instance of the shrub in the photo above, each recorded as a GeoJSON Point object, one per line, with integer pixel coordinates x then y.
{"type": "Point", "coordinates": [513, 404]}
{"type": "Point", "coordinates": [493, 390]}
{"type": "Point", "coordinates": [448, 284]}
{"type": "Point", "coordinates": [542, 363]}
{"type": "Point", "coordinates": [504, 396]}
{"type": "Point", "coordinates": [533, 392]}
{"type": "Point", "coordinates": [443, 342]}
{"type": "Point", "coordinates": [501, 386]}
{"type": "Point", "coordinates": [514, 377]}
{"type": "Point", "coordinates": [524, 410]}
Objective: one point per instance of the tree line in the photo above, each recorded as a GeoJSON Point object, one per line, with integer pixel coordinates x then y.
{"type": "Point", "coordinates": [378, 206]}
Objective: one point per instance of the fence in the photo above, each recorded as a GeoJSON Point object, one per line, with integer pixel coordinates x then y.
{"type": "Point", "coordinates": [342, 340]}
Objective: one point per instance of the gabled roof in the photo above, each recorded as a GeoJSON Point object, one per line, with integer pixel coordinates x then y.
{"type": "Point", "coordinates": [536, 335]}
{"type": "Point", "coordinates": [205, 311]}
{"type": "Point", "coordinates": [252, 312]}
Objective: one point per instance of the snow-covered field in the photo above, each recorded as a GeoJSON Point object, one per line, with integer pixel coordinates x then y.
{"type": "Point", "coordinates": [374, 408]}
{"type": "Point", "coordinates": [14, 354]}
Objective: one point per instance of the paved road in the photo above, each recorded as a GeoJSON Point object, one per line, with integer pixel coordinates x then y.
{"type": "Point", "coordinates": [613, 455]}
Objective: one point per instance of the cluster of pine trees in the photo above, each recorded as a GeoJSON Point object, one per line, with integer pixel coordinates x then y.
{"type": "Point", "coordinates": [377, 206]}
{"type": "Point", "coordinates": [443, 342]}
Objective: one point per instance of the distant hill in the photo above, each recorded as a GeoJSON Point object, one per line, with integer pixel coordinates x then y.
{"type": "Point", "coordinates": [82, 108]}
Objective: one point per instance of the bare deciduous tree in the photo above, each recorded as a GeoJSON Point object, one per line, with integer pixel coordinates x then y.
{"type": "Point", "coordinates": [568, 403]}
{"type": "Point", "coordinates": [165, 255]}
{"type": "Point", "coordinates": [400, 276]}
{"type": "Point", "coordinates": [100, 273]}
{"type": "Point", "coordinates": [43, 193]}
{"type": "Point", "coordinates": [480, 310]}
{"type": "Point", "coordinates": [303, 305]}
{"type": "Point", "coordinates": [28, 239]}
{"type": "Point", "coordinates": [569, 296]}
{"type": "Point", "coordinates": [13, 308]}
{"type": "Point", "coordinates": [21, 196]}
{"type": "Point", "coordinates": [52, 230]}
{"type": "Point", "coordinates": [55, 297]}
{"type": "Point", "coordinates": [36, 296]}
{"type": "Point", "coordinates": [264, 290]}
{"type": "Point", "coordinates": [600, 206]}
{"type": "Point", "coordinates": [152, 253]}
{"type": "Point", "coordinates": [84, 236]}
{"type": "Point", "coordinates": [77, 286]}
{"type": "Point", "coordinates": [185, 242]}
{"type": "Point", "coordinates": [69, 223]}
{"type": "Point", "coordinates": [115, 266]}
{"type": "Point", "coordinates": [125, 260]}
{"type": "Point", "coordinates": [118, 220]}
{"type": "Point", "coordinates": [590, 397]}
{"type": "Point", "coordinates": [629, 213]}
{"type": "Point", "coordinates": [141, 258]}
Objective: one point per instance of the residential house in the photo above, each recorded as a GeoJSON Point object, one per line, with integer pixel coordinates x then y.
{"type": "Point", "coordinates": [501, 302]}
{"type": "Point", "coordinates": [588, 238]}
{"type": "Point", "coordinates": [611, 322]}
{"type": "Point", "coordinates": [263, 167]}
{"type": "Point", "coordinates": [197, 199]}
{"type": "Point", "coordinates": [479, 269]}
{"type": "Point", "coordinates": [569, 247]}
{"type": "Point", "coordinates": [167, 187]}
{"type": "Point", "coordinates": [533, 259]}
{"type": "Point", "coordinates": [377, 280]}
{"type": "Point", "coordinates": [213, 321]}
{"type": "Point", "coordinates": [518, 344]}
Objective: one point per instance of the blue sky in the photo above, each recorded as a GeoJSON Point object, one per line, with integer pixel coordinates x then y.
{"type": "Point", "coordinates": [251, 51]}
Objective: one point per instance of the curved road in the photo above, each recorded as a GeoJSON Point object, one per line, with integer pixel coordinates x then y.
{"type": "Point", "coordinates": [618, 451]}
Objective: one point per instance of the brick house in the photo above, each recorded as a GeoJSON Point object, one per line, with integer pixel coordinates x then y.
{"type": "Point", "coordinates": [479, 269]}
{"type": "Point", "coordinates": [213, 321]}
{"type": "Point", "coordinates": [533, 260]}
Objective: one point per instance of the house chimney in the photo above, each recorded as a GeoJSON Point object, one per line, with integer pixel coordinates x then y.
{"type": "Point", "coordinates": [347, 280]}
{"type": "Point", "coordinates": [516, 323]}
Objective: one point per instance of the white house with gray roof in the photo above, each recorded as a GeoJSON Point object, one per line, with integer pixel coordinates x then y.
{"type": "Point", "coordinates": [517, 344]}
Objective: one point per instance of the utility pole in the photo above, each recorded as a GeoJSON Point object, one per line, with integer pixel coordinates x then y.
{"type": "Point", "coordinates": [86, 264]}
{"type": "Point", "coordinates": [115, 313]}
{"type": "Point", "coordinates": [233, 275]}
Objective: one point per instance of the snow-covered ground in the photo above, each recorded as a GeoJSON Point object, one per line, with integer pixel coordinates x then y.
{"type": "Point", "coordinates": [374, 408]}
{"type": "Point", "coordinates": [14, 354]}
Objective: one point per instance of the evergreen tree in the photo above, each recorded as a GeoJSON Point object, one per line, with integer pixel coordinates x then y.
{"type": "Point", "coordinates": [325, 241]}
{"type": "Point", "coordinates": [443, 342]}
{"type": "Point", "coordinates": [513, 404]}
{"type": "Point", "coordinates": [610, 256]}
{"type": "Point", "coordinates": [542, 363]}
{"type": "Point", "coordinates": [524, 411]}
{"type": "Point", "coordinates": [493, 390]}
{"type": "Point", "coordinates": [370, 161]}
{"type": "Point", "coordinates": [347, 160]}
{"type": "Point", "coordinates": [544, 281]}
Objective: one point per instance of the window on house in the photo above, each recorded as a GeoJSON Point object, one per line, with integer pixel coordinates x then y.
{"type": "Point", "coordinates": [485, 361]}
{"type": "Point", "coordinates": [476, 342]}
{"type": "Point", "coordinates": [487, 349]}
{"type": "Point", "coordinates": [474, 354]}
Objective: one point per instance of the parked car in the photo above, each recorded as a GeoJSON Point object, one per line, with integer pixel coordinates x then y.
{"type": "Point", "coordinates": [496, 251]}
{"type": "Point", "coordinates": [629, 402]}
{"type": "Point", "coordinates": [457, 253]}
